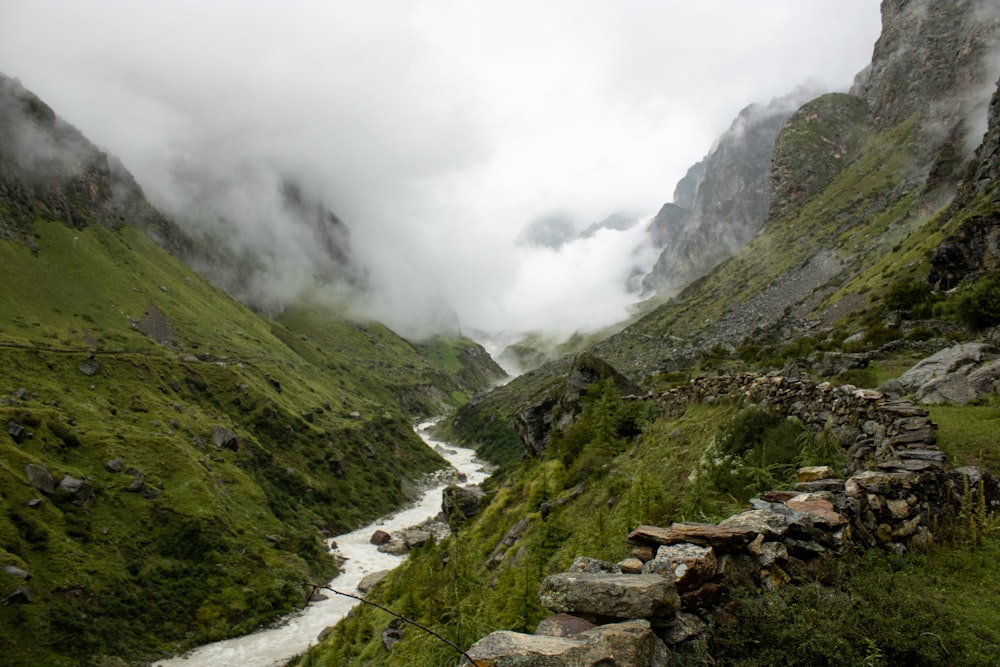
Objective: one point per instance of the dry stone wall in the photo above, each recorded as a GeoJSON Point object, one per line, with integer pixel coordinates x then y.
{"type": "Point", "coordinates": [895, 493]}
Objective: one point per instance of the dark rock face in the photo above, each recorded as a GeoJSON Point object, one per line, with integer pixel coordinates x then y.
{"type": "Point", "coordinates": [560, 407]}
{"type": "Point", "coordinates": [722, 201]}
{"type": "Point", "coordinates": [47, 166]}
{"type": "Point", "coordinates": [814, 145]}
{"type": "Point", "coordinates": [974, 248]}
{"type": "Point", "coordinates": [935, 50]}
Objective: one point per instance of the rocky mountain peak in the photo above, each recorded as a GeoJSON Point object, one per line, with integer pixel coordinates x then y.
{"type": "Point", "coordinates": [935, 60]}
{"type": "Point", "coordinates": [726, 197]}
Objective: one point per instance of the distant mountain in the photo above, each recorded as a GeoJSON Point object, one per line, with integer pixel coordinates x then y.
{"type": "Point", "coordinates": [723, 200]}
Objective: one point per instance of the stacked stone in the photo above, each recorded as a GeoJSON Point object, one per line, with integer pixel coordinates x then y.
{"type": "Point", "coordinates": [663, 597]}
{"type": "Point", "coordinates": [871, 427]}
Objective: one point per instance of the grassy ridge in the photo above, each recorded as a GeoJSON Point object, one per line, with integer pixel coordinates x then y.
{"type": "Point", "coordinates": [227, 533]}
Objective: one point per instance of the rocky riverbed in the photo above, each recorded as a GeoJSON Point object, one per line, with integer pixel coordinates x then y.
{"type": "Point", "coordinates": [361, 561]}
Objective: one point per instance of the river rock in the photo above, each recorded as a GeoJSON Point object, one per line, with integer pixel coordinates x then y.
{"type": "Point", "coordinates": [416, 538]}
{"type": "Point", "coordinates": [380, 537]}
{"type": "Point", "coordinates": [627, 643]}
{"type": "Point", "coordinates": [369, 581]}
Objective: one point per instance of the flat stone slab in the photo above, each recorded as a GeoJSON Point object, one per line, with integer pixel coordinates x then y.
{"type": "Point", "coordinates": [732, 538]}
{"type": "Point", "coordinates": [610, 595]}
{"type": "Point", "coordinates": [628, 643]}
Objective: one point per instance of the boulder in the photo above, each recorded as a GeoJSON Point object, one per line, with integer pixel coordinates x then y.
{"type": "Point", "coordinates": [953, 388]}
{"type": "Point", "coordinates": [19, 596]}
{"type": "Point", "coordinates": [616, 644]}
{"type": "Point", "coordinates": [606, 595]}
{"type": "Point", "coordinates": [80, 492]}
{"type": "Point", "coordinates": [17, 432]}
{"type": "Point", "coordinates": [90, 367]}
{"type": "Point", "coordinates": [40, 477]}
{"type": "Point", "coordinates": [114, 465]}
{"type": "Point", "coordinates": [416, 538]}
{"type": "Point", "coordinates": [15, 571]}
{"type": "Point", "coordinates": [379, 537]}
{"type": "Point", "coordinates": [225, 438]}
{"type": "Point", "coordinates": [461, 501]}
{"type": "Point", "coordinates": [957, 374]}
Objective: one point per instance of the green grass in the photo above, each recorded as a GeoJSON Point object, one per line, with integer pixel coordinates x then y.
{"type": "Point", "coordinates": [231, 535]}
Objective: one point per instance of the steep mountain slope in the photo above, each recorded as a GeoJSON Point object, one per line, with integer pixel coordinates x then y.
{"type": "Point", "coordinates": [863, 205]}
{"type": "Point", "coordinates": [723, 200]}
{"type": "Point", "coordinates": [172, 459]}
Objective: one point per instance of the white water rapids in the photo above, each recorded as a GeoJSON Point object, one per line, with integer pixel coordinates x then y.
{"type": "Point", "coordinates": [298, 631]}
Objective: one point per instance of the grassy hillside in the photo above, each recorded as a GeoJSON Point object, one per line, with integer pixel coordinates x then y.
{"type": "Point", "coordinates": [213, 446]}
{"type": "Point", "coordinates": [840, 267]}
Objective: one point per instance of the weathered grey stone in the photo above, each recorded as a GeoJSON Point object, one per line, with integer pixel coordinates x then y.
{"type": "Point", "coordinates": [464, 500]}
{"type": "Point", "coordinates": [610, 595]}
{"type": "Point", "coordinates": [114, 465]}
{"type": "Point", "coordinates": [953, 388]}
{"type": "Point", "coordinates": [683, 627]}
{"type": "Point", "coordinates": [137, 483]}
{"type": "Point", "coordinates": [722, 538]}
{"type": "Point", "coordinates": [563, 625]}
{"type": "Point", "coordinates": [593, 566]}
{"type": "Point", "coordinates": [986, 378]}
{"type": "Point", "coordinates": [225, 438]}
{"type": "Point", "coordinates": [688, 564]}
{"type": "Point", "coordinates": [416, 538]}
{"type": "Point", "coordinates": [392, 635]}
{"type": "Point", "coordinates": [17, 432]}
{"type": "Point", "coordinates": [762, 521]}
{"type": "Point", "coordinates": [90, 367]}
{"type": "Point", "coordinates": [616, 644]}
{"type": "Point", "coordinates": [15, 571]}
{"type": "Point", "coordinates": [943, 362]}
{"type": "Point", "coordinates": [40, 477]}
{"type": "Point", "coordinates": [369, 581]}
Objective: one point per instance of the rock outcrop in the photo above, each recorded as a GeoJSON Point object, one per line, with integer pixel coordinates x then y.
{"type": "Point", "coordinates": [723, 200]}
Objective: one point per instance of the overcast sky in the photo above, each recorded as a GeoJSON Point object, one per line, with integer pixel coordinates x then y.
{"type": "Point", "coordinates": [437, 130]}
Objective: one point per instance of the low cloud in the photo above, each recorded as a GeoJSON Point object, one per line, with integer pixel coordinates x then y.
{"type": "Point", "coordinates": [436, 131]}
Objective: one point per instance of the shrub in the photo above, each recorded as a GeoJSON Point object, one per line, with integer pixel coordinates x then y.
{"type": "Point", "coordinates": [979, 307]}
{"type": "Point", "coordinates": [914, 298]}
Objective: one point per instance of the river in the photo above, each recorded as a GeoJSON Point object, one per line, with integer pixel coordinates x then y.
{"type": "Point", "coordinates": [298, 631]}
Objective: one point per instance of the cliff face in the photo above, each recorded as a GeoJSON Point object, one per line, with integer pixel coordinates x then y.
{"type": "Point", "coordinates": [934, 64]}
{"type": "Point", "coordinates": [722, 201]}
{"type": "Point", "coordinates": [47, 167]}
{"type": "Point", "coordinates": [937, 60]}
{"type": "Point", "coordinates": [974, 248]}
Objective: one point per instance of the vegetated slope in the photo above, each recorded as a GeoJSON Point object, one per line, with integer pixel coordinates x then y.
{"type": "Point", "coordinates": [860, 215]}
{"type": "Point", "coordinates": [170, 459]}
